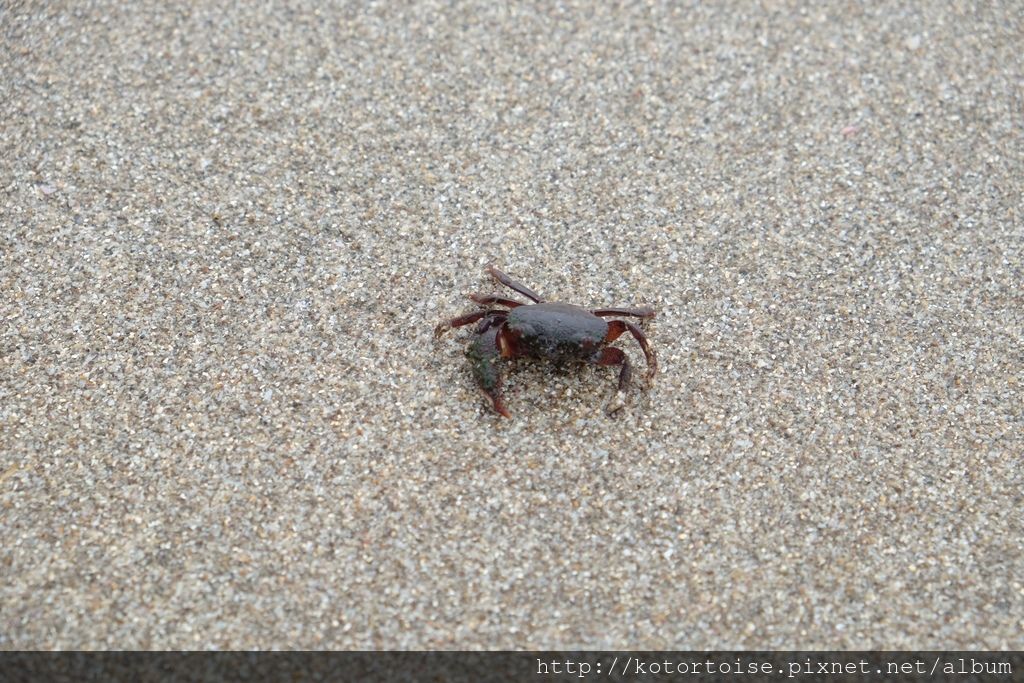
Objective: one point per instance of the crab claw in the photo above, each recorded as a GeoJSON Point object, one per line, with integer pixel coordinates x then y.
{"type": "Point", "coordinates": [497, 404]}
{"type": "Point", "coordinates": [484, 356]}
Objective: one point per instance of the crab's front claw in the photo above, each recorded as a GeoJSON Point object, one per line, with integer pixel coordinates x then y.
{"type": "Point", "coordinates": [484, 357]}
{"type": "Point", "coordinates": [497, 403]}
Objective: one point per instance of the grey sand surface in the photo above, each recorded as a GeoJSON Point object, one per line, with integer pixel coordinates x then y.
{"type": "Point", "coordinates": [228, 230]}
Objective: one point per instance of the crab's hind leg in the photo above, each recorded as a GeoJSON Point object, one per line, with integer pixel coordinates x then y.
{"type": "Point", "coordinates": [484, 355]}
{"type": "Point", "coordinates": [615, 330]}
{"type": "Point", "coordinates": [641, 339]}
{"type": "Point", "coordinates": [514, 285]}
{"type": "Point", "coordinates": [610, 355]}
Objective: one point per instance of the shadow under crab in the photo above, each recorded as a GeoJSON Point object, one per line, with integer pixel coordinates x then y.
{"type": "Point", "coordinates": [553, 331]}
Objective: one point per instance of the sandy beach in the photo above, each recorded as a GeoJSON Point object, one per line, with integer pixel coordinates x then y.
{"type": "Point", "coordinates": [227, 232]}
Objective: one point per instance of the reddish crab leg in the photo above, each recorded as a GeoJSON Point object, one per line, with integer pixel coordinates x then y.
{"type": "Point", "coordinates": [640, 312]}
{"type": "Point", "coordinates": [465, 319]}
{"type": "Point", "coordinates": [492, 299]}
{"type": "Point", "coordinates": [617, 327]}
{"type": "Point", "coordinates": [513, 284]}
{"type": "Point", "coordinates": [641, 338]}
{"type": "Point", "coordinates": [613, 356]}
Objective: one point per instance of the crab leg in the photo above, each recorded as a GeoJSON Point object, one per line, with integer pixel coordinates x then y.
{"type": "Point", "coordinates": [513, 284]}
{"type": "Point", "coordinates": [492, 299]}
{"type": "Point", "coordinates": [641, 338]}
{"type": "Point", "coordinates": [465, 319]}
{"type": "Point", "coordinates": [645, 312]}
{"type": "Point", "coordinates": [612, 356]}
{"type": "Point", "coordinates": [617, 327]}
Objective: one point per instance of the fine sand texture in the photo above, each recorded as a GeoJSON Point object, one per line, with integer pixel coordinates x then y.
{"type": "Point", "coordinates": [228, 231]}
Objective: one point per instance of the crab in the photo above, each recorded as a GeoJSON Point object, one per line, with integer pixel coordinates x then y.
{"type": "Point", "coordinates": [548, 330]}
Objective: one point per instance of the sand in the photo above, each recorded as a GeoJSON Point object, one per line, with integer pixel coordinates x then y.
{"type": "Point", "coordinates": [228, 231]}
